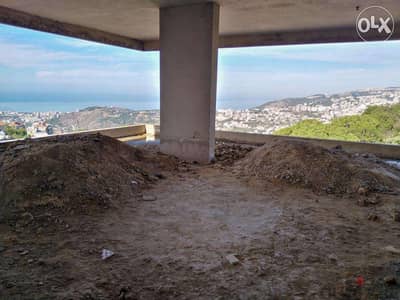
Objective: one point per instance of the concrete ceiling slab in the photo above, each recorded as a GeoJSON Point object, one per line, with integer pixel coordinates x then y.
{"type": "Point", "coordinates": [135, 23]}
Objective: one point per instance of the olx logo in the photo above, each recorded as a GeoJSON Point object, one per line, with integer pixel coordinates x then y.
{"type": "Point", "coordinates": [375, 23]}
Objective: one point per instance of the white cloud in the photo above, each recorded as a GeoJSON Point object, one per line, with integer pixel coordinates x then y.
{"type": "Point", "coordinates": [25, 55]}
{"type": "Point", "coordinates": [361, 52]}
{"type": "Point", "coordinates": [259, 87]}
{"type": "Point", "coordinates": [110, 80]}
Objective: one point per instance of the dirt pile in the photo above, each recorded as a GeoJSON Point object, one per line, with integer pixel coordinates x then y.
{"type": "Point", "coordinates": [74, 172]}
{"type": "Point", "coordinates": [227, 153]}
{"type": "Point", "coordinates": [332, 171]}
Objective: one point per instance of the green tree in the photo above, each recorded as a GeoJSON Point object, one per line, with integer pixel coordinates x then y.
{"type": "Point", "coordinates": [15, 133]}
{"type": "Point", "coordinates": [376, 124]}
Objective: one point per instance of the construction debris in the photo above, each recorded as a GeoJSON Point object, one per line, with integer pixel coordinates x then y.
{"type": "Point", "coordinates": [232, 259]}
{"type": "Point", "coordinates": [390, 280]}
{"type": "Point", "coordinates": [331, 171]}
{"type": "Point", "coordinates": [149, 198]}
{"type": "Point", "coordinates": [292, 243]}
{"type": "Point", "coordinates": [227, 153]}
{"type": "Point", "coordinates": [78, 173]}
{"type": "Point", "coordinates": [392, 249]}
{"type": "Point", "coordinates": [373, 217]}
{"type": "Point", "coordinates": [396, 215]}
{"type": "Point", "coordinates": [105, 253]}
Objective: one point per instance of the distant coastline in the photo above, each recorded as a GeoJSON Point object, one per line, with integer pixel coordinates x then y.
{"type": "Point", "coordinates": [67, 104]}
{"type": "Point", "coordinates": [266, 118]}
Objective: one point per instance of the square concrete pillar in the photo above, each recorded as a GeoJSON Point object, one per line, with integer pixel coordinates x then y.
{"type": "Point", "coordinates": [188, 70]}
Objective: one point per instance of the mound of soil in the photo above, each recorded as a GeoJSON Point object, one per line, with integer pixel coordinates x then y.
{"type": "Point", "coordinates": [227, 153]}
{"type": "Point", "coordinates": [333, 171]}
{"type": "Point", "coordinates": [73, 172]}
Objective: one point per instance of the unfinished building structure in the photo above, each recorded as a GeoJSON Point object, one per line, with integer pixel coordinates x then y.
{"type": "Point", "coordinates": [188, 35]}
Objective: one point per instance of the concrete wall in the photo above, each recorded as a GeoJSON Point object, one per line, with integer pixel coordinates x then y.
{"type": "Point", "coordinates": [188, 70]}
{"type": "Point", "coordinates": [141, 131]}
{"type": "Point", "coordinates": [380, 150]}
{"type": "Point", "coordinates": [115, 132]}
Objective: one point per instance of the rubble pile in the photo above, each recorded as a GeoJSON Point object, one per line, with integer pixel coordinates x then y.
{"type": "Point", "coordinates": [227, 153]}
{"type": "Point", "coordinates": [332, 171]}
{"type": "Point", "coordinates": [74, 172]}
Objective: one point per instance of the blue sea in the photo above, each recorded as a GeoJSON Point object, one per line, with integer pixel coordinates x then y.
{"type": "Point", "coordinates": [68, 103]}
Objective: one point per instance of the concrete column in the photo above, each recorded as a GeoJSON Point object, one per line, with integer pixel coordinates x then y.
{"type": "Point", "coordinates": [188, 65]}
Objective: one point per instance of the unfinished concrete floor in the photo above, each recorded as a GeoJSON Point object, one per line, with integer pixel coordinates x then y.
{"type": "Point", "coordinates": [291, 244]}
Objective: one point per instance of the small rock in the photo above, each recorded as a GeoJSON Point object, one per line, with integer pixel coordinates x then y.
{"type": "Point", "coordinates": [374, 200]}
{"type": "Point", "coordinates": [122, 293]}
{"type": "Point", "coordinates": [390, 280]}
{"type": "Point", "coordinates": [52, 177]}
{"type": "Point", "coordinates": [373, 217]}
{"type": "Point", "coordinates": [333, 258]}
{"type": "Point", "coordinates": [149, 198]}
{"type": "Point", "coordinates": [232, 259]}
{"type": "Point", "coordinates": [25, 252]}
{"type": "Point", "coordinates": [26, 218]}
{"type": "Point", "coordinates": [105, 254]}
{"type": "Point", "coordinates": [20, 147]}
{"type": "Point", "coordinates": [160, 176]}
{"type": "Point", "coordinates": [392, 249]}
{"type": "Point", "coordinates": [362, 191]}
{"type": "Point", "coordinates": [396, 215]}
{"type": "Point", "coordinates": [10, 261]}
{"type": "Point", "coordinates": [362, 202]}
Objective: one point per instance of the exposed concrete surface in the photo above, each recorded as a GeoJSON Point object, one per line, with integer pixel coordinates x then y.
{"type": "Point", "coordinates": [251, 22]}
{"type": "Point", "coordinates": [134, 19]}
{"type": "Point", "coordinates": [22, 19]}
{"type": "Point", "coordinates": [188, 69]}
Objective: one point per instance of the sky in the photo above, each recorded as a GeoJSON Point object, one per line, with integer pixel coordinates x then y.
{"type": "Point", "coordinates": [47, 72]}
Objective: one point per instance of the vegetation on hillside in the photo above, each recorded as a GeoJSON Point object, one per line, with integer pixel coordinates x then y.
{"type": "Point", "coordinates": [15, 133]}
{"type": "Point", "coordinates": [379, 124]}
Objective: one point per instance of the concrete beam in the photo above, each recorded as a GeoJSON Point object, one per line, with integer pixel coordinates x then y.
{"type": "Point", "coordinates": [320, 36]}
{"type": "Point", "coordinates": [289, 37]}
{"type": "Point", "coordinates": [188, 69]}
{"type": "Point", "coordinates": [21, 19]}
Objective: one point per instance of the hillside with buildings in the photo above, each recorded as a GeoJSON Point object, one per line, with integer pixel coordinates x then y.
{"type": "Point", "coordinates": [101, 117]}
{"type": "Point", "coordinates": [264, 119]}
{"type": "Point", "coordinates": [272, 116]}
{"type": "Point", "coordinates": [39, 124]}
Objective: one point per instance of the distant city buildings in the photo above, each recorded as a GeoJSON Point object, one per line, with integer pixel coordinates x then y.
{"type": "Point", "coordinates": [264, 119]}
{"type": "Point", "coordinates": [39, 129]}
{"type": "Point", "coordinates": [3, 135]}
{"type": "Point", "coordinates": [33, 122]}
{"type": "Point", "coordinates": [279, 114]}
